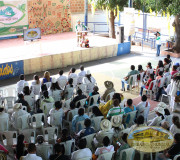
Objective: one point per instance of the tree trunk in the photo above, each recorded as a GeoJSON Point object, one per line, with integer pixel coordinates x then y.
{"type": "Point", "coordinates": [111, 25]}
{"type": "Point", "coordinates": [176, 24]}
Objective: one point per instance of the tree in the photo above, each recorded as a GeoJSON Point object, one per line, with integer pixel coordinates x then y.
{"type": "Point", "coordinates": [171, 6]}
{"type": "Point", "coordinates": [113, 6]}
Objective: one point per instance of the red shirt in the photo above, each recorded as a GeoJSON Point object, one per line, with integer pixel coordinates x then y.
{"type": "Point", "coordinates": [148, 83]}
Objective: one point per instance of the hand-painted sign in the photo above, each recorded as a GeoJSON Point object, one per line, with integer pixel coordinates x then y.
{"type": "Point", "coordinates": [32, 34]}
{"type": "Point", "coordinates": [150, 139]}
{"type": "Point", "coordinates": [12, 69]}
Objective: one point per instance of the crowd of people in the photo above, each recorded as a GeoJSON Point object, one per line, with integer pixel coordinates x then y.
{"type": "Point", "coordinates": [114, 112]}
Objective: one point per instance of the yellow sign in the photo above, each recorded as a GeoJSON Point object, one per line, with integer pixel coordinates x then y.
{"type": "Point", "coordinates": [7, 70]}
{"type": "Point", "coordinates": [150, 139]}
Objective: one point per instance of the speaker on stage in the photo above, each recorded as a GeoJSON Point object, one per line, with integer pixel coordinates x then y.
{"type": "Point", "coordinates": [120, 34]}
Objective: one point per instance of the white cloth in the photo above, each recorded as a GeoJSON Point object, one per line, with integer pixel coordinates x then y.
{"type": "Point", "coordinates": [155, 122]}
{"type": "Point", "coordinates": [4, 115]}
{"type": "Point", "coordinates": [81, 153]}
{"type": "Point", "coordinates": [102, 150]}
{"type": "Point", "coordinates": [32, 157]}
{"type": "Point", "coordinates": [86, 80]}
{"type": "Point", "coordinates": [20, 85]}
{"type": "Point", "coordinates": [36, 88]}
{"type": "Point", "coordinates": [72, 75]}
{"type": "Point", "coordinates": [142, 109]}
{"type": "Point", "coordinates": [81, 75]}
{"type": "Point", "coordinates": [52, 112]}
{"type": "Point", "coordinates": [61, 78]}
{"type": "Point", "coordinates": [174, 129]}
{"type": "Point", "coordinates": [158, 42]}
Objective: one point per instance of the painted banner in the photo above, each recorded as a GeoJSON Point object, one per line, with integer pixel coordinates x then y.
{"type": "Point", "coordinates": [129, 21]}
{"type": "Point", "coordinates": [13, 17]}
{"type": "Point", "coordinates": [12, 69]}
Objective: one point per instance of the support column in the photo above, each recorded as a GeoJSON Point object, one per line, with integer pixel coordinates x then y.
{"type": "Point", "coordinates": [130, 5]}
{"type": "Point", "coordinates": [86, 12]}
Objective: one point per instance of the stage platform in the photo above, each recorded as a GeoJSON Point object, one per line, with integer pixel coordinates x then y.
{"type": "Point", "coordinates": [54, 51]}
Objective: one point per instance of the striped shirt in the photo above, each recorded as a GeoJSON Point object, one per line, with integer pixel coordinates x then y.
{"type": "Point", "coordinates": [115, 111]}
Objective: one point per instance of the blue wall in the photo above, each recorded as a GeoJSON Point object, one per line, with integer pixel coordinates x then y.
{"type": "Point", "coordinates": [124, 48]}
{"type": "Point", "coordinates": [11, 69]}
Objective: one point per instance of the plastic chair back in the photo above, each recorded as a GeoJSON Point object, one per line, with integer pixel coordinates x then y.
{"type": "Point", "coordinates": [9, 138]}
{"type": "Point", "coordinates": [4, 125]}
{"type": "Point", "coordinates": [66, 104]}
{"type": "Point", "coordinates": [106, 156]}
{"type": "Point", "coordinates": [62, 83]}
{"type": "Point", "coordinates": [23, 122]}
{"type": "Point", "coordinates": [96, 121]}
{"type": "Point", "coordinates": [69, 147]}
{"type": "Point", "coordinates": [43, 151]}
{"type": "Point", "coordinates": [47, 107]}
{"type": "Point", "coordinates": [36, 89]}
{"type": "Point", "coordinates": [93, 100]}
{"type": "Point", "coordinates": [38, 120]}
{"type": "Point", "coordinates": [30, 100]}
{"type": "Point", "coordinates": [81, 103]}
{"type": "Point", "coordinates": [89, 140]}
{"type": "Point", "coordinates": [50, 134]}
{"type": "Point", "coordinates": [130, 152]}
{"type": "Point", "coordinates": [57, 95]}
{"type": "Point", "coordinates": [109, 96]}
{"type": "Point", "coordinates": [79, 126]}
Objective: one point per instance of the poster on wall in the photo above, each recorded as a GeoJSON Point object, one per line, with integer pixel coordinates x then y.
{"type": "Point", "coordinates": [13, 17]}
{"type": "Point", "coordinates": [129, 21]}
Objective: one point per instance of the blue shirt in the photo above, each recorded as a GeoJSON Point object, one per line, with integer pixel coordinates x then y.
{"type": "Point", "coordinates": [127, 110]}
{"type": "Point", "coordinates": [76, 119]}
{"type": "Point", "coordinates": [45, 80]}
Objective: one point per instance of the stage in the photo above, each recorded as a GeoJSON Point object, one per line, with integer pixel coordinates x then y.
{"type": "Point", "coordinates": [54, 51]}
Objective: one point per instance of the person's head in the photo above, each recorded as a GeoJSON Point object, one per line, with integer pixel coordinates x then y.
{"type": "Point", "coordinates": [72, 105]}
{"type": "Point", "coordinates": [20, 96]}
{"type": "Point", "coordinates": [175, 120]}
{"type": "Point", "coordinates": [168, 56]}
{"type": "Point", "coordinates": [95, 89]}
{"type": "Point", "coordinates": [165, 125]}
{"type": "Point", "coordinates": [132, 67]}
{"type": "Point", "coordinates": [40, 139]}
{"type": "Point", "coordinates": [81, 111]}
{"type": "Point", "coordinates": [82, 143]}
{"type": "Point", "coordinates": [20, 139]}
{"type": "Point", "coordinates": [106, 141]}
{"type": "Point", "coordinates": [160, 64]}
{"type": "Point", "coordinates": [61, 72]}
{"type": "Point", "coordinates": [73, 70]}
{"type": "Point", "coordinates": [58, 105]}
{"type": "Point", "coordinates": [151, 76]}
{"type": "Point", "coordinates": [149, 65]}
{"type": "Point", "coordinates": [1, 108]}
{"type": "Point", "coordinates": [31, 148]}
{"type": "Point", "coordinates": [140, 68]}
{"type": "Point", "coordinates": [43, 87]}
{"type": "Point", "coordinates": [166, 61]}
{"type": "Point", "coordinates": [79, 22]}
{"type": "Point", "coordinates": [140, 120]}
{"type": "Point", "coordinates": [22, 77]}
{"type": "Point", "coordinates": [79, 92]}
{"type": "Point", "coordinates": [47, 75]}
{"type": "Point", "coordinates": [46, 94]}
{"type": "Point", "coordinates": [87, 122]}
{"type": "Point", "coordinates": [65, 132]}
{"type": "Point", "coordinates": [26, 90]}
{"type": "Point", "coordinates": [36, 78]}
{"type": "Point", "coordinates": [70, 81]}
{"type": "Point", "coordinates": [174, 68]}
{"type": "Point", "coordinates": [158, 34]}
{"type": "Point", "coordinates": [124, 137]}
{"type": "Point", "coordinates": [177, 138]}
{"type": "Point", "coordinates": [96, 111]}
{"type": "Point", "coordinates": [144, 98]}
{"type": "Point", "coordinates": [176, 64]}
{"type": "Point", "coordinates": [166, 112]}
{"type": "Point", "coordinates": [129, 102]}
{"type": "Point", "coordinates": [117, 96]}
{"type": "Point", "coordinates": [160, 112]}
{"type": "Point", "coordinates": [116, 103]}
{"type": "Point", "coordinates": [59, 149]}
{"type": "Point", "coordinates": [82, 68]}
{"type": "Point", "coordinates": [160, 73]}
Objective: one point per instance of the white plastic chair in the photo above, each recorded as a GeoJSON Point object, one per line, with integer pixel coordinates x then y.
{"type": "Point", "coordinates": [4, 125]}
{"type": "Point", "coordinates": [86, 158]}
{"type": "Point", "coordinates": [106, 156]}
{"type": "Point", "coordinates": [10, 92]}
{"type": "Point", "coordinates": [132, 118]}
{"type": "Point", "coordinates": [123, 103]}
{"type": "Point", "coordinates": [57, 119]}
{"type": "Point", "coordinates": [109, 135]}
{"type": "Point", "coordinates": [29, 135]}
{"type": "Point", "coordinates": [75, 81]}
{"type": "Point", "coordinates": [153, 88]}
{"type": "Point", "coordinates": [80, 79]}
{"type": "Point", "coordinates": [10, 101]}
{"type": "Point", "coordinates": [24, 108]}
{"type": "Point", "coordinates": [176, 157]}
{"type": "Point", "coordinates": [81, 102]}
{"type": "Point", "coordinates": [142, 155]}
{"type": "Point", "coordinates": [96, 121]}
{"type": "Point", "coordinates": [23, 122]}
{"type": "Point", "coordinates": [9, 138]}
{"type": "Point", "coordinates": [90, 87]}
{"type": "Point", "coordinates": [109, 96]}
{"type": "Point", "coordinates": [127, 130]}
{"type": "Point", "coordinates": [36, 89]}
{"type": "Point", "coordinates": [36, 120]}
{"type": "Point", "coordinates": [48, 85]}
{"type": "Point", "coordinates": [47, 107]}
{"type": "Point", "coordinates": [62, 83]}
{"type": "Point", "coordinates": [70, 93]}
{"type": "Point", "coordinates": [57, 95]}
{"type": "Point", "coordinates": [130, 152]}
{"type": "Point", "coordinates": [30, 99]}
{"type": "Point", "coordinates": [44, 150]}
{"type": "Point", "coordinates": [93, 100]}
{"type": "Point", "coordinates": [69, 147]}
{"type": "Point", "coordinates": [66, 104]}
{"type": "Point", "coordinates": [50, 134]}
{"type": "Point", "coordinates": [79, 126]}
{"type": "Point", "coordinates": [89, 140]}
{"type": "Point", "coordinates": [167, 96]}
{"type": "Point", "coordinates": [83, 87]}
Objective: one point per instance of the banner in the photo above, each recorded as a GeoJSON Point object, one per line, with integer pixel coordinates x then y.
{"type": "Point", "coordinates": [11, 69]}
{"type": "Point", "coordinates": [13, 17]}
{"type": "Point", "coordinates": [129, 21]}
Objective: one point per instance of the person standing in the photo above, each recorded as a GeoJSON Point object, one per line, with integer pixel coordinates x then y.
{"type": "Point", "coordinates": [158, 43]}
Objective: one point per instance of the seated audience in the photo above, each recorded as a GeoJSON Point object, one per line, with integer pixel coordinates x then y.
{"type": "Point", "coordinates": [36, 85]}
{"type": "Point", "coordinates": [26, 91]}
{"type": "Point", "coordinates": [67, 87]}
{"type": "Point", "coordinates": [80, 117]}
{"type": "Point", "coordinates": [116, 110]}
{"type": "Point", "coordinates": [174, 70]}
{"type": "Point", "coordinates": [143, 107]}
{"type": "Point", "coordinates": [72, 73]}
{"type": "Point", "coordinates": [126, 79]}
{"type": "Point", "coordinates": [79, 97]}
{"type": "Point", "coordinates": [81, 74]}
{"type": "Point", "coordinates": [65, 136]}
{"type": "Point", "coordinates": [166, 63]}
{"type": "Point", "coordinates": [59, 153]}
{"type": "Point", "coordinates": [139, 123]}
{"type": "Point", "coordinates": [109, 88]}
{"type": "Point", "coordinates": [96, 112]}
{"type": "Point", "coordinates": [20, 83]}
{"type": "Point", "coordinates": [62, 78]}
{"type": "Point", "coordinates": [140, 68]}
{"type": "Point", "coordinates": [54, 86]}
{"type": "Point", "coordinates": [82, 152]}
{"type": "Point", "coordinates": [149, 70]}
{"type": "Point", "coordinates": [160, 67]}
{"type": "Point", "coordinates": [175, 127]}
{"type": "Point", "coordinates": [72, 108]}
{"type": "Point", "coordinates": [177, 65]}
{"type": "Point", "coordinates": [46, 77]}
{"type": "Point", "coordinates": [95, 92]}
{"type": "Point", "coordinates": [169, 58]}
{"type": "Point", "coordinates": [31, 153]}
{"type": "Point", "coordinates": [3, 115]}
{"type": "Point", "coordinates": [23, 102]}
{"type": "Point", "coordinates": [20, 147]}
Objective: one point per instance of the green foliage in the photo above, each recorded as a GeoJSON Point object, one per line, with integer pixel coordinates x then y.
{"type": "Point", "coordinates": [110, 4]}
{"type": "Point", "coordinates": [173, 6]}
{"type": "Point", "coordinates": [1, 3]}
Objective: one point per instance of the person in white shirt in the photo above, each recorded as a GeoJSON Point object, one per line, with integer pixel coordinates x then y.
{"type": "Point", "coordinates": [83, 152]}
{"type": "Point", "coordinates": [17, 113]}
{"type": "Point", "coordinates": [139, 123]}
{"type": "Point", "coordinates": [175, 127]}
{"type": "Point", "coordinates": [106, 148]}
{"type": "Point", "coordinates": [36, 85]}
{"type": "Point", "coordinates": [3, 115]}
{"type": "Point", "coordinates": [20, 84]}
{"type": "Point", "coordinates": [81, 75]}
{"type": "Point", "coordinates": [72, 73]}
{"type": "Point", "coordinates": [143, 107]}
{"type": "Point", "coordinates": [31, 153]}
{"type": "Point", "coordinates": [62, 80]}
{"type": "Point", "coordinates": [157, 120]}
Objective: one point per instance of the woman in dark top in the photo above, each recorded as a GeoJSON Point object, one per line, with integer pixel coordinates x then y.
{"type": "Point", "coordinates": [20, 147]}
{"type": "Point", "coordinates": [96, 112]}
{"type": "Point", "coordinates": [59, 153]}
{"type": "Point", "coordinates": [65, 136]}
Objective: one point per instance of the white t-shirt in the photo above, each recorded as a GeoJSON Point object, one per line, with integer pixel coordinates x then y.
{"type": "Point", "coordinates": [72, 75]}
{"type": "Point", "coordinates": [81, 153]}
{"type": "Point", "coordinates": [155, 121]}
{"type": "Point", "coordinates": [81, 75]}
{"type": "Point", "coordinates": [102, 150]}
{"type": "Point", "coordinates": [174, 129]}
{"type": "Point", "coordinates": [143, 106]}
{"type": "Point", "coordinates": [20, 85]}
{"type": "Point", "coordinates": [32, 157]}
{"type": "Point", "coordinates": [62, 78]}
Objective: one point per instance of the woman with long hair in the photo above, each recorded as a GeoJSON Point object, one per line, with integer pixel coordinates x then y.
{"type": "Point", "coordinates": [20, 147]}
{"type": "Point", "coordinates": [175, 127]}
{"type": "Point", "coordinates": [46, 77]}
